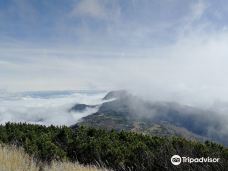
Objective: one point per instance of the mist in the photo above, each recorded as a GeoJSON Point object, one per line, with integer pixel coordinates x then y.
{"type": "Point", "coordinates": [39, 108]}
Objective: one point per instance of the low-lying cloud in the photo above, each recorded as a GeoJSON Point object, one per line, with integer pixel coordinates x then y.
{"type": "Point", "coordinates": [46, 111]}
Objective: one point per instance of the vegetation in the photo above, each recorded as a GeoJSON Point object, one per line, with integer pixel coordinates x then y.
{"type": "Point", "coordinates": [15, 159]}
{"type": "Point", "coordinates": [110, 149]}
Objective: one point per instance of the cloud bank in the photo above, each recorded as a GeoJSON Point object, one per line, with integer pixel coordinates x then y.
{"type": "Point", "coordinates": [38, 108]}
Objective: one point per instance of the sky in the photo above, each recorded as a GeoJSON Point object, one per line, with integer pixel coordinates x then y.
{"type": "Point", "coordinates": [166, 49]}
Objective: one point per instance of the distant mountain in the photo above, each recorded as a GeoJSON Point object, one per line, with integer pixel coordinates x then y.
{"type": "Point", "coordinates": [81, 107]}
{"type": "Point", "coordinates": [128, 112]}
{"type": "Point", "coordinates": [116, 94]}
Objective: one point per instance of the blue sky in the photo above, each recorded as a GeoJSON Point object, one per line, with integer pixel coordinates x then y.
{"type": "Point", "coordinates": [114, 24]}
{"type": "Point", "coordinates": [106, 24]}
{"type": "Point", "coordinates": [169, 48]}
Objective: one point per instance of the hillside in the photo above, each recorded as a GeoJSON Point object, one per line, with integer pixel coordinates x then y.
{"type": "Point", "coordinates": [111, 149]}
{"type": "Point", "coordinates": [131, 113]}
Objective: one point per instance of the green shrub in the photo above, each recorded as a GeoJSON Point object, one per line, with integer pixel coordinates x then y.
{"type": "Point", "coordinates": [116, 150]}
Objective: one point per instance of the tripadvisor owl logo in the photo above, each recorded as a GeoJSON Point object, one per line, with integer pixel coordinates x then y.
{"type": "Point", "coordinates": [176, 160]}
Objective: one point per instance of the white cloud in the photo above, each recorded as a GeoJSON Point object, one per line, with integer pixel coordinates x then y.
{"type": "Point", "coordinates": [198, 9]}
{"type": "Point", "coordinates": [193, 64]}
{"type": "Point", "coordinates": [90, 8]}
{"type": "Point", "coordinates": [193, 70]}
{"type": "Point", "coordinates": [46, 111]}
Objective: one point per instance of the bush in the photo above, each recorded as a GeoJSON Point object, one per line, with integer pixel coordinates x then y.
{"type": "Point", "coordinates": [116, 150]}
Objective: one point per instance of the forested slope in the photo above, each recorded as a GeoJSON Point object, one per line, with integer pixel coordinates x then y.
{"type": "Point", "coordinates": [115, 150]}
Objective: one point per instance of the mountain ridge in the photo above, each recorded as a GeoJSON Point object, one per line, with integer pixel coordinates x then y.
{"type": "Point", "coordinates": [131, 113]}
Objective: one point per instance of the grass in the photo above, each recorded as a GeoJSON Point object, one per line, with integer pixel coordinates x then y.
{"type": "Point", "coordinates": [15, 159]}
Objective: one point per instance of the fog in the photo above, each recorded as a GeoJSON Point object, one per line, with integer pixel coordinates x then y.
{"type": "Point", "coordinates": [54, 109]}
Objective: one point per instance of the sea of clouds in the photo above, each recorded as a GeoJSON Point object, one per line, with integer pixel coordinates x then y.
{"type": "Point", "coordinates": [48, 107]}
